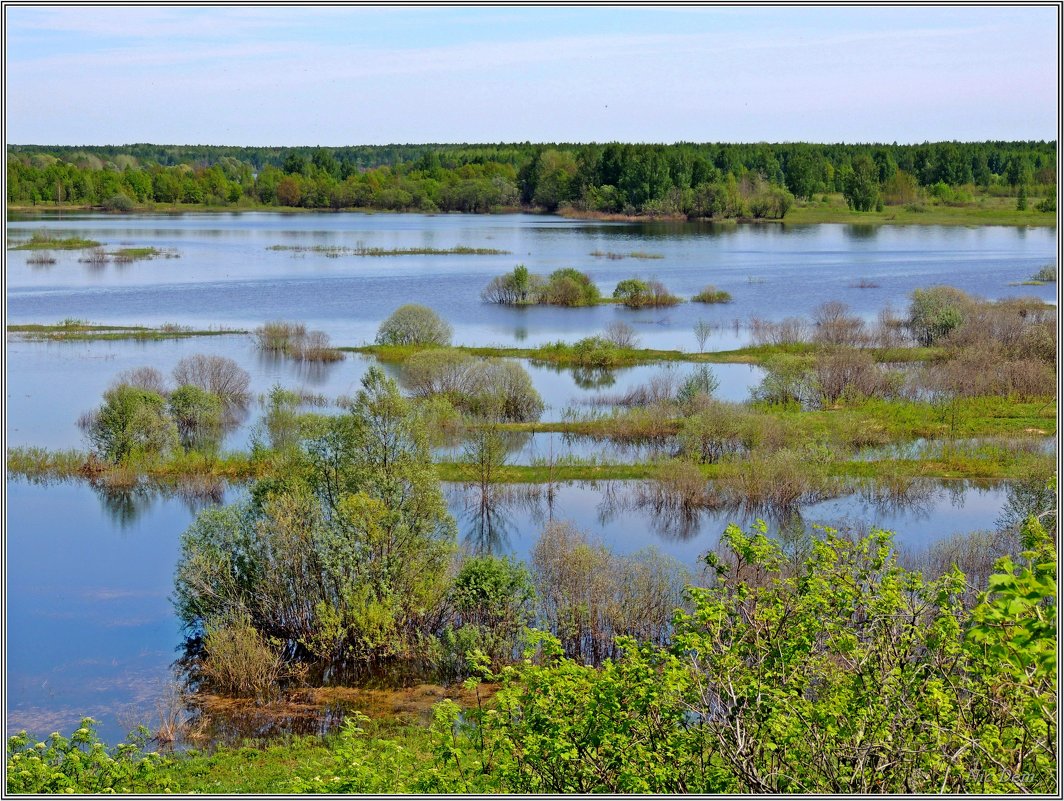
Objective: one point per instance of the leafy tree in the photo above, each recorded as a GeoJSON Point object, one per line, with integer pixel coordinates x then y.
{"type": "Point", "coordinates": [861, 188]}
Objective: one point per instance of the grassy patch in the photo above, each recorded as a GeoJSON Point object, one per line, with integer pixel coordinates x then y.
{"type": "Point", "coordinates": [578, 355]}
{"type": "Point", "coordinates": [984, 211]}
{"type": "Point", "coordinates": [43, 241]}
{"type": "Point", "coordinates": [635, 254]}
{"type": "Point", "coordinates": [362, 250]}
{"type": "Point", "coordinates": [81, 331]}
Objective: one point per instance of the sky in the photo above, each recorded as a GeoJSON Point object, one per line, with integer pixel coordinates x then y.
{"type": "Point", "coordinates": [356, 75]}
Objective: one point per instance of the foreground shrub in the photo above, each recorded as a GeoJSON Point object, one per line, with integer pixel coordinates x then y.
{"type": "Point", "coordinates": [843, 673]}
{"type": "Point", "coordinates": [82, 764]}
{"type": "Point", "coordinates": [414, 325]}
{"type": "Point", "coordinates": [345, 556]}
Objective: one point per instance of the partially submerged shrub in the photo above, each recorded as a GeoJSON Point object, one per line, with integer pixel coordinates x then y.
{"type": "Point", "coordinates": [588, 595]}
{"type": "Point", "coordinates": [197, 413]}
{"type": "Point", "coordinates": [218, 375]}
{"type": "Point", "coordinates": [715, 431]}
{"type": "Point", "coordinates": [517, 288]}
{"type": "Point", "coordinates": [147, 378]}
{"type": "Point", "coordinates": [835, 326]}
{"type": "Point", "coordinates": [710, 294]}
{"type": "Point", "coordinates": [789, 331]}
{"type": "Point", "coordinates": [621, 335]}
{"type": "Point", "coordinates": [1047, 273]}
{"type": "Point", "coordinates": [492, 604]}
{"type": "Point", "coordinates": [637, 294]}
{"type": "Point", "coordinates": [238, 661]}
{"type": "Point", "coordinates": [935, 312]}
{"type": "Point", "coordinates": [495, 389]}
{"type": "Point", "coordinates": [132, 422]}
{"type": "Point", "coordinates": [296, 342]}
{"type": "Point", "coordinates": [413, 324]}
{"type": "Point", "coordinates": [570, 287]}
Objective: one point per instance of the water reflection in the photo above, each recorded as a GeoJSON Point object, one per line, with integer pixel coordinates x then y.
{"type": "Point", "coordinates": [125, 502]}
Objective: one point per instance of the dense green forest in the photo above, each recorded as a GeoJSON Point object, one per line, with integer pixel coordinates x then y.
{"type": "Point", "coordinates": [685, 179]}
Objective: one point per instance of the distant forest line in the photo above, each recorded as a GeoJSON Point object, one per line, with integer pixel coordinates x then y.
{"type": "Point", "coordinates": [685, 179]}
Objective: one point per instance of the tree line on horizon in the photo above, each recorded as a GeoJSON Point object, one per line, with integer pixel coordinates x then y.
{"type": "Point", "coordinates": [696, 180]}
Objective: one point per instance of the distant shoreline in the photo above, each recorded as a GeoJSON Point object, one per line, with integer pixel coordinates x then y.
{"type": "Point", "coordinates": [804, 214]}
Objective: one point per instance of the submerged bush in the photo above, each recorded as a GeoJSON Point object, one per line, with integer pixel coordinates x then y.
{"type": "Point", "coordinates": [569, 287]}
{"type": "Point", "coordinates": [494, 389]}
{"type": "Point", "coordinates": [637, 294]}
{"type": "Point", "coordinates": [710, 294]}
{"type": "Point", "coordinates": [218, 375]}
{"type": "Point", "coordinates": [589, 596]}
{"type": "Point", "coordinates": [492, 604]}
{"type": "Point", "coordinates": [197, 413]}
{"type": "Point", "coordinates": [413, 324]}
{"type": "Point", "coordinates": [935, 312]}
{"type": "Point", "coordinates": [345, 556]}
{"type": "Point", "coordinates": [238, 661]}
{"type": "Point", "coordinates": [132, 422]}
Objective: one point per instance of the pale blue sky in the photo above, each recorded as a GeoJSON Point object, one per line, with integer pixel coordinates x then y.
{"type": "Point", "coordinates": [342, 75]}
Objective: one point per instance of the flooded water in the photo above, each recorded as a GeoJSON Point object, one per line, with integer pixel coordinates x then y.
{"type": "Point", "coordinates": [227, 275]}
{"type": "Point", "coordinates": [89, 572]}
{"type": "Point", "coordinates": [91, 630]}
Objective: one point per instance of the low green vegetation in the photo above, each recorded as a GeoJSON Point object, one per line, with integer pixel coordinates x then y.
{"type": "Point", "coordinates": [710, 294]}
{"type": "Point", "coordinates": [636, 254]}
{"type": "Point", "coordinates": [41, 240]}
{"type": "Point", "coordinates": [81, 331]}
{"type": "Point", "coordinates": [363, 250]}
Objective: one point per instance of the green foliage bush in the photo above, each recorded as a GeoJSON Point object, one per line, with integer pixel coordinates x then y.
{"type": "Point", "coordinates": [345, 556]}
{"type": "Point", "coordinates": [493, 389]}
{"type": "Point", "coordinates": [935, 312]}
{"type": "Point", "coordinates": [413, 324]}
{"type": "Point", "coordinates": [131, 423]}
{"type": "Point", "coordinates": [710, 294]}
{"type": "Point", "coordinates": [637, 294]}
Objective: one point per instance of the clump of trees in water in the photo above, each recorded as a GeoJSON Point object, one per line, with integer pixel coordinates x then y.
{"type": "Point", "coordinates": [141, 418]}
{"type": "Point", "coordinates": [294, 341]}
{"type": "Point", "coordinates": [695, 180]}
{"type": "Point", "coordinates": [491, 389]}
{"type": "Point", "coordinates": [564, 287]}
{"type": "Point", "coordinates": [348, 556]}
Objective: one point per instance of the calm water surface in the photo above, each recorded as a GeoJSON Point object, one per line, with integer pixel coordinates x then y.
{"type": "Point", "coordinates": [226, 274]}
